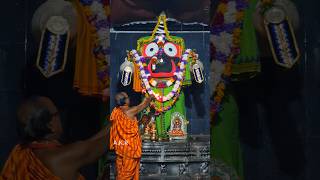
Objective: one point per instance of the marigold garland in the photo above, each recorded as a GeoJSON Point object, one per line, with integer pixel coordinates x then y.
{"type": "Point", "coordinates": [226, 27]}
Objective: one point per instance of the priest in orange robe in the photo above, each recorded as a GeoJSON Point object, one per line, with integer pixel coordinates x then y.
{"type": "Point", "coordinates": [40, 156]}
{"type": "Point", "coordinates": [125, 138]}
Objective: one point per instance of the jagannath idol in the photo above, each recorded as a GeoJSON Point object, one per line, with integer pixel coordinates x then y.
{"type": "Point", "coordinates": [159, 67]}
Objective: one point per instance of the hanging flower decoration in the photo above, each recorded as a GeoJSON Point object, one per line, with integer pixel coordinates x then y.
{"type": "Point", "coordinates": [225, 39]}
{"type": "Point", "coordinates": [146, 80]}
{"type": "Point", "coordinates": [98, 15]}
{"type": "Point", "coordinates": [144, 74]}
{"type": "Point", "coordinates": [162, 83]}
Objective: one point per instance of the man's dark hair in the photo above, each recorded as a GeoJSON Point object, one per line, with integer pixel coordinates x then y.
{"type": "Point", "coordinates": [34, 118]}
{"type": "Point", "coordinates": [121, 101]}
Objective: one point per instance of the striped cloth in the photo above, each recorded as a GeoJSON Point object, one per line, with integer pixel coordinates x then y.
{"type": "Point", "coordinates": [125, 140]}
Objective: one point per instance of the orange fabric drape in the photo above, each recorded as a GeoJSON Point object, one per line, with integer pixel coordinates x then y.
{"type": "Point", "coordinates": [85, 76]}
{"type": "Point", "coordinates": [125, 140]}
{"type": "Point", "coordinates": [23, 164]}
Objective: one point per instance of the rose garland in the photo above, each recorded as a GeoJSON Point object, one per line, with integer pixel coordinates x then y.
{"type": "Point", "coordinates": [225, 39]}
{"type": "Point", "coordinates": [175, 92]}
{"type": "Point", "coordinates": [97, 13]}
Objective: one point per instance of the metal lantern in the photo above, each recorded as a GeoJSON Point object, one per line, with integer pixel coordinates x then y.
{"type": "Point", "coordinates": [127, 70]}
{"type": "Point", "coordinates": [198, 72]}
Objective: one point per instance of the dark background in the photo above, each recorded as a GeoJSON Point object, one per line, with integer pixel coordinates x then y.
{"type": "Point", "coordinates": [279, 110]}
{"type": "Point", "coordinates": [124, 11]}
{"type": "Point", "coordinates": [17, 54]}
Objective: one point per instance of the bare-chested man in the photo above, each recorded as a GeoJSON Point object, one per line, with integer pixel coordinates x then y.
{"type": "Point", "coordinates": [40, 156]}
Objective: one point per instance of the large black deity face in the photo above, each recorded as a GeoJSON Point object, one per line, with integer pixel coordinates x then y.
{"type": "Point", "coordinates": [162, 57]}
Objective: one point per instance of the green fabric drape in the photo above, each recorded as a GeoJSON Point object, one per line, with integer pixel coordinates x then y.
{"type": "Point", "coordinates": [247, 60]}
{"type": "Point", "coordinates": [163, 121]}
{"type": "Point", "coordinates": [225, 144]}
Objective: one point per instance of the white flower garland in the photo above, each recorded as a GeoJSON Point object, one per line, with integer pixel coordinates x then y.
{"type": "Point", "coordinates": [97, 16]}
{"type": "Point", "coordinates": [179, 75]}
{"type": "Point", "coordinates": [98, 11]}
{"type": "Point", "coordinates": [223, 42]}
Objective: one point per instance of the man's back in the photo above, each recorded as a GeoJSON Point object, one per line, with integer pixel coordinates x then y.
{"type": "Point", "coordinates": [23, 164]}
{"type": "Point", "coordinates": [51, 158]}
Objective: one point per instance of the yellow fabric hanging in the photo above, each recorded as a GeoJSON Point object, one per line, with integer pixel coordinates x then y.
{"type": "Point", "coordinates": [136, 79]}
{"type": "Point", "coordinates": [85, 76]}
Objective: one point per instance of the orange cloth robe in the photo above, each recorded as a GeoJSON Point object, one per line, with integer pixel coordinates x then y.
{"type": "Point", "coordinates": [125, 140]}
{"type": "Point", "coordinates": [23, 164]}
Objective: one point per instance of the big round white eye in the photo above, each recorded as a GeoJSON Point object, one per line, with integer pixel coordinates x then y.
{"type": "Point", "coordinates": [151, 49]}
{"type": "Point", "coordinates": [170, 49]}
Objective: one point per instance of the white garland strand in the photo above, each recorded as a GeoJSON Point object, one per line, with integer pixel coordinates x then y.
{"type": "Point", "coordinates": [223, 44]}
{"type": "Point", "coordinates": [179, 75]}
